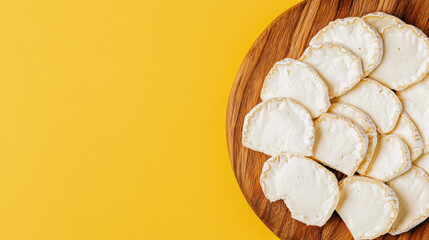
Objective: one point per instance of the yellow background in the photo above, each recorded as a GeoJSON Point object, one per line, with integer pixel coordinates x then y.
{"type": "Point", "coordinates": [112, 118]}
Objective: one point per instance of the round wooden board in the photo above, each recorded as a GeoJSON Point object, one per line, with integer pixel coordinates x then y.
{"type": "Point", "coordinates": [288, 36]}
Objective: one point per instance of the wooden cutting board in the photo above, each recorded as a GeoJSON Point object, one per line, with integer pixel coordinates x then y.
{"type": "Point", "coordinates": [288, 36]}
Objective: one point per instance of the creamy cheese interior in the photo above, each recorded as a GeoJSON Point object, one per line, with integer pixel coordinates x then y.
{"type": "Point", "coordinates": [407, 131]}
{"type": "Point", "coordinates": [298, 81]}
{"type": "Point", "coordinates": [358, 36]}
{"type": "Point", "coordinates": [379, 102]}
{"type": "Point", "coordinates": [423, 162]}
{"type": "Point", "coordinates": [339, 143]}
{"type": "Point", "coordinates": [415, 100]}
{"type": "Point", "coordinates": [363, 121]}
{"type": "Point", "coordinates": [279, 125]}
{"type": "Point", "coordinates": [367, 207]}
{"type": "Point", "coordinates": [406, 57]}
{"type": "Point", "coordinates": [412, 189]}
{"type": "Point", "coordinates": [391, 158]}
{"type": "Point", "coordinates": [339, 68]}
{"type": "Point", "coordinates": [309, 190]}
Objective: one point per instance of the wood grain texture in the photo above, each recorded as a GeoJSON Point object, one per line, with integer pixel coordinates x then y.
{"type": "Point", "coordinates": [288, 36]}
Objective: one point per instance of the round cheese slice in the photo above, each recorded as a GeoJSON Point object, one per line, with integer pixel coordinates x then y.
{"type": "Point", "coordinates": [419, 113]}
{"type": "Point", "coordinates": [406, 57]}
{"type": "Point", "coordinates": [279, 125]}
{"type": "Point", "coordinates": [391, 158]}
{"type": "Point", "coordinates": [338, 66]}
{"type": "Point", "coordinates": [298, 81]}
{"type": "Point", "coordinates": [339, 143]}
{"type": "Point", "coordinates": [358, 36]}
{"type": "Point", "coordinates": [376, 100]}
{"type": "Point", "coordinates": [415, 100]}
{"type": "Point", "coordinates": [308, 189]}
{"type": "Point", "coordinates": [367, 207]}
{"type": "Point", "coordinates": [418, 92]}
{"type": "Point", "coordinates": [412, 189]}
{"type": "Point", "coordinates": [380, 20]}
{"type": "Point", "coordinates": [423, 162]}
{"type": "Point", "coordinates": [407, 131]}
{"type": "Point", "coordinates": [362, 120]}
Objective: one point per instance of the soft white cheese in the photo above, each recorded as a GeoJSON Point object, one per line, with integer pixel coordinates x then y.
{"type": "Point", "coordinates": [391, 158]}
{"type": "Point", "coordinates": [362, 120]}
{"type": "Point", "coordinates": [412, 189]}
{"type": "Point", "coordinates": [297, 81]}
{"type": "Point", "coordinates": [367, 207]}
{"type": "Point", "coordinates": [309, 190]}
{"type": "Point", "coordinates": [339, 143]}
{"type": "Point", "coordinates": [279, 125]}
{"type": "Point", "coordinates": [406, 57]}
{"type": "Point", "coordinates": [423, 162]}
{"type": "Point", "coordinates": [415, 100]}
{"type": "Point", "coordinates": [358, 36]}
{"type": "Point", "coordinates": [407, 131]}
{"type": "Point", "coordinates": [338, 66]}
{"type": "Point", "coordinates": [376, 100]}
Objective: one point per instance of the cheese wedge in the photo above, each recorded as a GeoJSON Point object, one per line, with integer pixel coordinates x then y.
{"type": "Point", "coordinates": [412, 189]}
{"type": "Point", "coordinates": [298, 81]}
{"type": "Point", "coordinates": [406, 57]}
{"type": "Point", "coordinates": [376, 100]}
{"type": "Point", "coordinates": [380, 20]}
{"type": "Point", "coordinates": [391, 158]}
{"type": "Point", "coordinates": [415, 100]}
{"type": "Point", "coordinates": [279, 125]}
{"type": "Point", "coordinates": [367, 207]}
{"type": "Point", "coordinates": [407, 131]}
{"type": "Point", "coordinates": [423, 162]}
{"type": "Point", "coordinates": [338, 66]}
{"type": "Point", "coordinates": [308, 189]}
{"type": "Point", "coordinates": [339, 143]}
{"type": "Point", "coordinates": [358, 36]}
{"type": "Point", "coordinates": [362, 120]}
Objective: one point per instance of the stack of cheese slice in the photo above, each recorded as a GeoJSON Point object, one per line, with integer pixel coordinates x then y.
{"type": "Point", "coordinates": [356, 101]}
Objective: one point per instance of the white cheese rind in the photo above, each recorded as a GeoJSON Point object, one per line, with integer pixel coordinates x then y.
{"type": "Point", "coordinates": [362, 120]}
{"type": "Point", "coordinates": [297, 81]}
{"type": "Point", "coordinates": [339, 67]}
{"type": "Point", "coordinates": [380, 20]}
{"type": "Point", "coordinates": [367, 207]}
{"type": "Point", "coordinates": [406, 57]}
{"type": "Point", "coordinates": [376, 100]}
{"type": "Point", "coordinates": [391, 158]}
{"type": "Point", "coordinates": [358, 36]}
{"type": "Point", "coordinates": [279, 125]}
{"type": "Point", "coordinates": [308, 189]}
{"type": "Point", "coordinates": [339, 143]}
{"type": "Point", "coordinates": [407, 131]}
{"type": "Point", "coordinates": [412, 189]}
